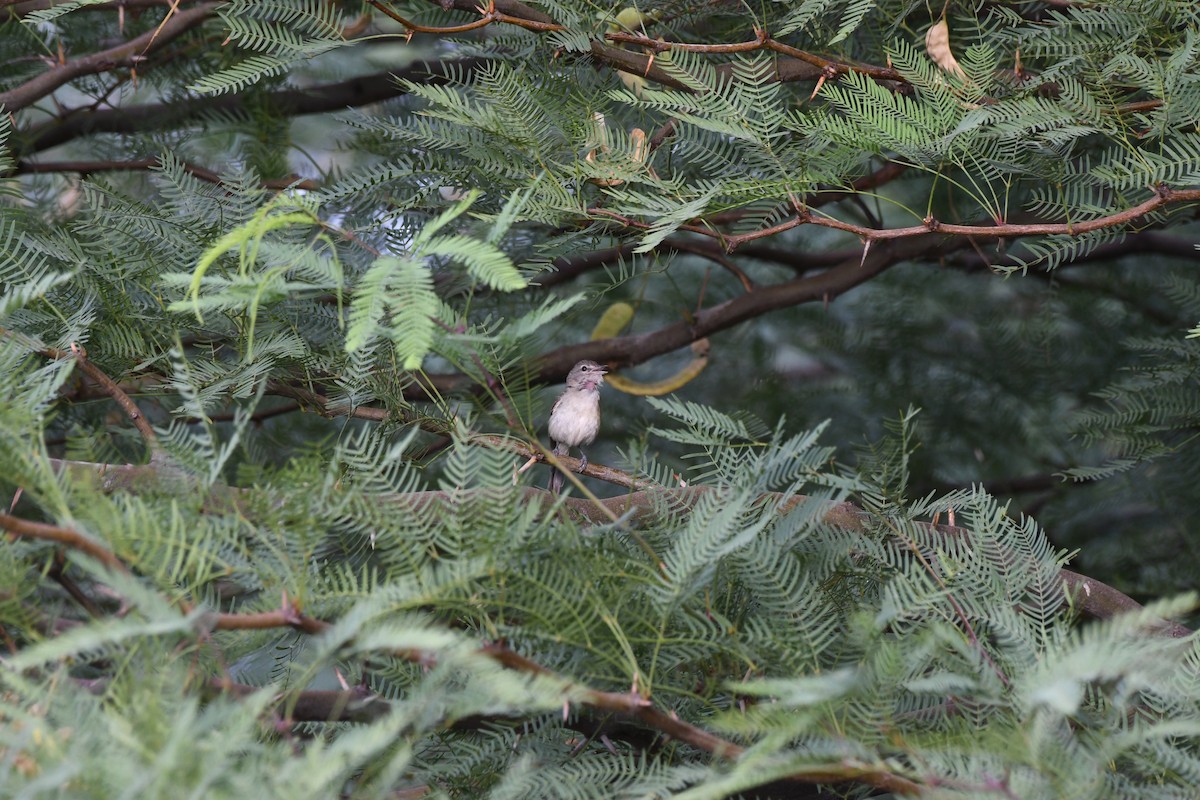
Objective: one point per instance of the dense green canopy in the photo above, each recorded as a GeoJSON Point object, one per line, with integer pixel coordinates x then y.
{"type": "Point", "coordinates": [285, 288]}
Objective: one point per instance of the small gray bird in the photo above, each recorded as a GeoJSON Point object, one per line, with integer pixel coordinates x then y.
{"type": "Point", "coordinates": [575, 418]}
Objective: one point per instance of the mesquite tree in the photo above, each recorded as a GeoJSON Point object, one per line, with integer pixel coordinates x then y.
{"type": "Point", "coordinates": [284, 283]}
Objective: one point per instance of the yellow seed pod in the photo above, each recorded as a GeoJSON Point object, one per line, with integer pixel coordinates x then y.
{"type": "Point", "coordinates": [634, 83]}
{"type": "Point", "coordinates": [630, 19]}
{"type": "Point", "coordinates": [615, 320]}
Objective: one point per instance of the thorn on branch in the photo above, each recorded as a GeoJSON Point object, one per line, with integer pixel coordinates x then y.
{"type": "Point", "coordinates": [817, 89]}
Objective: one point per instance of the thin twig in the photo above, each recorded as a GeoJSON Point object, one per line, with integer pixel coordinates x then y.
{"type": "Point", "coordinates": [58, 571]}
{"type": "Point", "coordinates": [761, 41]}
{"type": "Point", "coordinates": [1163, 196]}
{"type": "Point", "coordinates": [110, 387]}
{"type": "Point", "coordinates": [113, 390]}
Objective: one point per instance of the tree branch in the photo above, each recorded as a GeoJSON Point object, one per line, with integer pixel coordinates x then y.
{"type": "Point", "coordinates": [110, 388]}
{"type": "Point", "coordinates": [351, 93]}
{"type": "Point", "coordinates": [823, 287]}
{"type": "Point", "coordinates": [761, 41]}
{"type": "Point", "coordinates": [636, 349]}
{"type": "Point", "coordinates": [1094, 599]}
{"type": "Point", "coordinates": [1163, 196]}
{"type": "Point", "coordinates": [64, 536]}
{"type": "Point", "coordinates": [286, 617]}
{"type": "Point", "coordinates": [1135, 243]}
{"type": "Point", "coordinates": [127, 54]}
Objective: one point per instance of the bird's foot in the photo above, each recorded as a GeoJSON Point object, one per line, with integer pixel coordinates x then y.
{"type": "Point", "coordinates": [583, 462]}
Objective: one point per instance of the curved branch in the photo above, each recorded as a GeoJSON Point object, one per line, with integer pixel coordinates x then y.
{"type": "Point", "coordinates": [110, 388]}
{"type": "Point", "coordinates": [65, 536]}
{"type": "Point", "coordinates": [351, 93]}
{"type": "Point", "coordinates": [630, 350]}
{"type": "Point", "coordinates": [509, 8]}
{"type": "Point", "coordinates": [568, 268]}
{"type": "Point", "coordinates": [1163, 196]}
{"type": "Point", "coordinates": [629, 704]}
{"type": "Point", "coordinates": [787, 70]}
{"type": "Point", "coordinates": [127, 54]}
{"type": "Point", "coordinates": [1100, 601]}
{"type": "Point", "coordinates": [823, 287]}
{"type": "Point", "coordinates": [762, 41]}
{"type": "Point", "coordinates": [286, 617]}
{"type": "Point", "coordinates": [717, 256]}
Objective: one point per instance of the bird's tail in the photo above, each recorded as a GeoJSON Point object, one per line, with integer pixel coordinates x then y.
{"type": "Point", "coordinates": [556, 476]}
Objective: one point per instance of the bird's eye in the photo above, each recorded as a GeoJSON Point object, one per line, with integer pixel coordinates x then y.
{"type": "Point", "coordinates": [585, 368]}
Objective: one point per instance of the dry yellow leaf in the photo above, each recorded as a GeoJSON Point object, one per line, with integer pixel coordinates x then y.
{"type": "Point", "coordinates": [937, 44]}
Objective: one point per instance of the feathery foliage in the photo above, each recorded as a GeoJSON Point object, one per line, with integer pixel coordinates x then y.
{"type": "Point", "coordinates": [281, 284]}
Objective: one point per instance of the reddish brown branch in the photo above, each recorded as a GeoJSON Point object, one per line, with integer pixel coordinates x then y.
{"type": "Point", "coordinates": [509, 8]}
{"type": "Point", "coordinates": [1163, 196]}
{"type": "Point", "coordinates": [126, 54]}
{"type": "Point", "coordinates": [109, 387]}
{"type": "Point", "coordinates": [635, 705]}
{"type": "Point", "coordinates": [114, 391]}
{"type": "Point", "coordinates": [359, 705]}
{"type": "Point", "coordinates": [1101, 599]}
{"type": "Point", "coordinates": [412, 26]}
{"type": "Point", "coordinates": [489, 14]}
{"type": "Point", "coordinates": [761, 41]}
{"type": "Point", "coordinates": [64, 536]}
{"type": "Point", "coordinates": [831, 68]}
{"type": "Point", "coordinates": [822, 287]}
{"type": "Point", "coordinates": [287, 617]}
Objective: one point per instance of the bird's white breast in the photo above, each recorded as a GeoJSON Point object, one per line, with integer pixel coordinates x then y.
{"type": "Point", "coordinates": [575, 419]}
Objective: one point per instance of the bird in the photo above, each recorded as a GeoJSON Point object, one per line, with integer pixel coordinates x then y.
{"type": "Point", "coordinates": [575, 418]}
